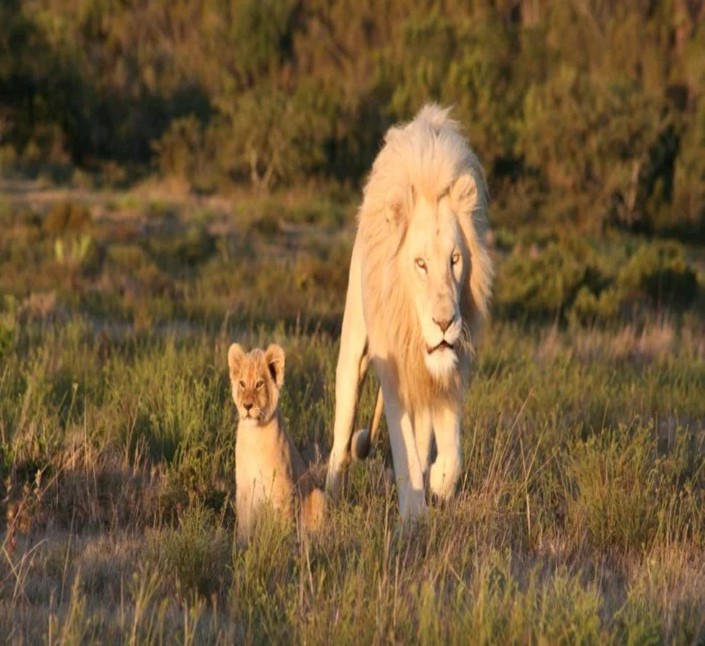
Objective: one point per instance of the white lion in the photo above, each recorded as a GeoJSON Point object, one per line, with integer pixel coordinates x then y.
{"type": "Point", "coordinates": [418, 292]}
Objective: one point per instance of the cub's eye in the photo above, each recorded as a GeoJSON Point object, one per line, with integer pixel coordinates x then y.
{"type": "Point", "coordinates": [259, 384]}
{"type": "Point", "coordinates": [421, 264]}
{"type": "Point", "coordinates": [242, 384]}
{"type": "Point", "coordinates": [455, 258]}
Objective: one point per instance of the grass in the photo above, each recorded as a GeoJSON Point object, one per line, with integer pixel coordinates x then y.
{"type": "Point", "coordinates": [580, 517]}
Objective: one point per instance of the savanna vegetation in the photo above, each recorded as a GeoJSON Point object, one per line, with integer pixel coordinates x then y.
{"type": "Point", "coordinates": [176, 176]}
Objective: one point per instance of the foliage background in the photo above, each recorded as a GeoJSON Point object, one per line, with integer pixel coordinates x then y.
{"type": "Point", "coordinates": [587, 111]}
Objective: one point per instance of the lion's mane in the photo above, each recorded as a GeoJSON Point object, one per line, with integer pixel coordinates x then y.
{"type": "Point", "coordinates": [422, 158]}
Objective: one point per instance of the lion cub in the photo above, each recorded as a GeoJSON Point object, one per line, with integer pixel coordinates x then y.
{"type": "Point", "coordinates": [268, 467]}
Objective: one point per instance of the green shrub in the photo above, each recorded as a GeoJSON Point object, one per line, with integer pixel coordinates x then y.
{"type": "Point", "coordinates": [67, 218]}
{"type": "Point", "coordinates": [196, 555]}
{"type": "Point", "coordinates": [586, 137]}
{"type": "Point", "coordinates": [267, 224]}
{"type": "Point", "coordinates": [637, 620]}
{"type": "Point", "coordinates": [589, 307]}
{"type": "Point", "coordinates": [272, 136]}
{"type": "Point", "coordinates": [182, 153]}
{"type": "Point", "coordinates": [549, 275]}
{"type": "Point", "coordinates": [177, 149]}
{"type": "Point", "coordinates": [659, 274]}
{"type": "Point", "coordinates": [615, 479]}
{"type": "Point", "coordinates": [187, 249]}
{"type": "Point", "coordinates": [8, 159]}
{"type": "Point", "coordinates": [70, 224]}
{"type": "Point", "coordinates": [259, 33]}
{"type": "Point", "coordinates": [546, 281]}
{"type": "Point", "coordinates": [685, 216]}
{"type": "Point", "coordinates": [8, 325]}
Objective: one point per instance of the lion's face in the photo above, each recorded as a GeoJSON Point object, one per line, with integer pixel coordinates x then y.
{"type": "Point", "coordinates": [256, 378]}
{"type": "Point", "coordinates": [436, 260]}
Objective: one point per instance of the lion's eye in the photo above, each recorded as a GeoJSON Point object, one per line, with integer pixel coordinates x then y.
{"type": "Point", "coordinates": [455, 258]}
{"type": "Point", "coordinates": [421, 264]}
{"type": "Point", "coordinates": [259, 384]}
{"type": "Point", "coordinates": [242, 384]}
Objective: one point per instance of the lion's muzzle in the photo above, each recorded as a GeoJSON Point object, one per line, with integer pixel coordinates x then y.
{"type": "Point", "coordinates": [443, 345]}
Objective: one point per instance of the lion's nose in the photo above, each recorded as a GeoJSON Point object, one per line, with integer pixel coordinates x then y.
{"type": "Point", "coordinates": [444, 324]}
{"type": "Point", "coordinates": [247, 405]}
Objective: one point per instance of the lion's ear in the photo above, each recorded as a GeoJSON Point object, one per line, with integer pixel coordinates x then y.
{"type": "Point", "coordinates": [235, 356]}
{"type": "Point", "coordinates": [399, 205]}
{"type": "Point", "coordinates": [275, 358]}
{"type": "Point", "coordinates": [463, 193]}
{"type": "Point", "coordinates": [396, 207]}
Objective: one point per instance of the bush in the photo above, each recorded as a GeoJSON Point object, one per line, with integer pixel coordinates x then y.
{"type": "Point", "coordinates": [194, 246]}
{"type": "Point", "coordinates": [592, 138]}
{"type": "Point", "coordinates": [569, 278]}
{"type": "Point", "coordinates": [546, 281]}
{"type": "Point", "coordinates": [658, 274]}
{"type": "Point", "coordinates": [615, 479]}
{"type": "Point", "coordinates": [685, 217]}
{"type": "Point", "coordinates": [196, 556]}
{"type": "Point", "coordinates": [7, 334]}
{"type": "Point", "coordinates": [272, 136]}
{"type": "Point", "coordinates": [70, 224]}
{"type": "Point", "coordinates": [68, 218]}
{"type": "Point", "coordinates": [181, 153]}
{"type": "Point", "coordinates": [590, 307]}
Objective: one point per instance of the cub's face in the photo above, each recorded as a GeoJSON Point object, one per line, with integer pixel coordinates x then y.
{"type": "Point", "coordinates": [256, 378]}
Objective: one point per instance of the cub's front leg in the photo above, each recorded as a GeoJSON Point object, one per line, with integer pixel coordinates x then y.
{"type": "Point", "coordinates": [245, 512]}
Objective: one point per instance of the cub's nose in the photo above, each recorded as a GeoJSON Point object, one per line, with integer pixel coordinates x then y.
{"type": "Point", "coordinates": [247, 405]}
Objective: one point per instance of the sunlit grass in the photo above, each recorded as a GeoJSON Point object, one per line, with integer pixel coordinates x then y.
{"type": "Point", "coordinates": [580, 517]}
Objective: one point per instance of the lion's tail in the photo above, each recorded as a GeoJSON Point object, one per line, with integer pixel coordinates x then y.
{"type": "Point", "coordinates": [313, 510]}
{"type": "Point", "coordinates": [365, 438]}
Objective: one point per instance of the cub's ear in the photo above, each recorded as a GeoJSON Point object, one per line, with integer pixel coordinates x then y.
{"type": "Point", "coordinates": [463, 193]}
{"type": "Point", "coordinates": [275, 358]}
{"type": "Point", "coordinates": [235, 356]}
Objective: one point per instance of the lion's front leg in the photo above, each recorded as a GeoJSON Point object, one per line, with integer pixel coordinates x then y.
{"type": "Point", "coordinates": [407, 467]}
{"type": "Point", "coordinates": [445, 471]}
{"type": "Point", "coordinates": [351, 359]}
{"type": "Point", "coordinates": [423, 432]}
